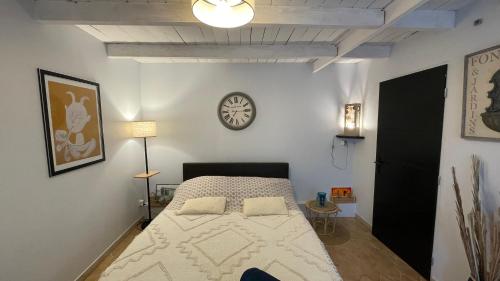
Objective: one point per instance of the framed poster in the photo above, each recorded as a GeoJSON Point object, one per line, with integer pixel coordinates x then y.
{"type": "Point", "coordinates": [72, 120]}
{"type": "Point", "coordinates": [481, 109]}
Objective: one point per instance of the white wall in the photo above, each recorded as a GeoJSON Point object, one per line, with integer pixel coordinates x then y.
{"type": "Point", "coordinates": [53, 228]}
{"type": "Point", "coordinates": [297, 116]}
{"type": "Point", "coordinates": [418, 53]}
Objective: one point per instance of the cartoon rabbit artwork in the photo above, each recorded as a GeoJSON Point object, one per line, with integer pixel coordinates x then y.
{"type": "Point", "coordinates": [76, 119]}
{"type": "Point", "coordinates": [72, 123]}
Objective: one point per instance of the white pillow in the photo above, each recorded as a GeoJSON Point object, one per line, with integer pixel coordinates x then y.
{"type": "Point", "coordinates": [203, 205]}
{"type": "Point", "coordinates": [262, 206]}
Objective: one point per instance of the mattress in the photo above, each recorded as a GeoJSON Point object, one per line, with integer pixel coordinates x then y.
{"type": "Point", "coordinates": [221, 247]}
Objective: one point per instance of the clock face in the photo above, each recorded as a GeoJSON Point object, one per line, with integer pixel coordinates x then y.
{"type": "Point", "coordinates": [236, 111]}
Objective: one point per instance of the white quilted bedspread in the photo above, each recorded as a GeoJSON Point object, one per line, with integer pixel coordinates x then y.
{"type": "Point", "coordinates": [222, 247]}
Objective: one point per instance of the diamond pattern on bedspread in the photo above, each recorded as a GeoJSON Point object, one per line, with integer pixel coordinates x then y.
{"type": "Point", "coordinates": [283, 272]}
{"type": "Point", "coordinates": [187, 222]}
{"type": "Point", "coordinates": [272, 221]}
{"type": "Point", "coordinates": [228, 243]}
{"type": "Point", "coordinates": [221, 248]}
{"type": "Point", "coordinates": [144, 244]}
{"type": "Point", "coordinates": [155, 272]}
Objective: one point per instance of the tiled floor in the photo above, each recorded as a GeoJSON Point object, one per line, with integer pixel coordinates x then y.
{"type": "Point", "coordinates": [357, 254]}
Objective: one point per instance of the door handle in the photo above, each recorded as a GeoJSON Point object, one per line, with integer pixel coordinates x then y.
{"type": "Point", "coordinates": [378, 165]}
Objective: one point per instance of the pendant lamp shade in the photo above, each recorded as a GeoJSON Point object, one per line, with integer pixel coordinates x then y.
{"type": "Point", "coordinates": [224, 13]}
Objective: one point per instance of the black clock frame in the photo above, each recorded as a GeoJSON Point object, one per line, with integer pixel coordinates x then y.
{"type": "Point", "coordinates": [250, 121]}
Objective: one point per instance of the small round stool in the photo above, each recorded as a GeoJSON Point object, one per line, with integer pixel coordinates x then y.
{"type": "Point", "coordinates": [322, 215]}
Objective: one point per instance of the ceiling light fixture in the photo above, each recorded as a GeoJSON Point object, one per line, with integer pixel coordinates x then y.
{"type": "Point", "coordinates": [224, 13]}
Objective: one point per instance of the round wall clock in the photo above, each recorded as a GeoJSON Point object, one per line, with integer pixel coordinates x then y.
{"type": "Point", "coordinates": [236, 111]}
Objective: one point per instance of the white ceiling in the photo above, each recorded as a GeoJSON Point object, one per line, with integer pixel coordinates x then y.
{"type": "Point", "coordinates": [199, 34]}
{"type": "Point", "coordinates": [257, 35]}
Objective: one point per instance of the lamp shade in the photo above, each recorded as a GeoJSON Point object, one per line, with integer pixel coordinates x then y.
{"type": "Point", "coordinates": [224, 13]}
{"type": "Point", "coordinates": [143, 129]}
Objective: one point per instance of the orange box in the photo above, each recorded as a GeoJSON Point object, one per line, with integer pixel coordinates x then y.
{"type": "Point", "coordinates": [341, 192]}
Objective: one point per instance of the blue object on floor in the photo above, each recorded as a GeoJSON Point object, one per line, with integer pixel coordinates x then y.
{"type": "Point", "coordinates": [255, 274]}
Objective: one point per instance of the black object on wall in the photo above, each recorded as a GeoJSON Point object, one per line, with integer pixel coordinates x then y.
{"type": "Point", "coordinates": [410, 125]}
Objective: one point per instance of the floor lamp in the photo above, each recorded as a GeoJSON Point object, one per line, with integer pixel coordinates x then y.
{"type": "Point", "coordinates": [145, 129]}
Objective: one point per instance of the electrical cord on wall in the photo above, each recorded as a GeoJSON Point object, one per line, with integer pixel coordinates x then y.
{"type": "Point", "coordinates": [334, 164]}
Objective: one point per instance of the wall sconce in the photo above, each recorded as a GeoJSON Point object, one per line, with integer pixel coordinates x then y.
{"type": "Point", "coordinates": [352, 121]}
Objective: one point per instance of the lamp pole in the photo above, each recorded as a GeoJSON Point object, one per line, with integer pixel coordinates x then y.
{"type": "Point", "coordinates": [145, 129]}
{"type": "Point", "coordinates": [146, 222]}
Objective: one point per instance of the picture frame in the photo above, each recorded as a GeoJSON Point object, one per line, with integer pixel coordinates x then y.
{"type": "Point", "coordinates": [481, 101]}
{"type": "Point", "coordinates": [165, 192]}
{"type": "Point", "coordinates": [72, 122]}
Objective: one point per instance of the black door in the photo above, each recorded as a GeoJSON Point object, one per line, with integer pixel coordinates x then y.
{"type": "Point", "coordinates": [410, 124]}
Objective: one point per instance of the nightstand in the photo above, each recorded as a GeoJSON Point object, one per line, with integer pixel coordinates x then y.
{"type": "Point", "coordinates": [157, 207]}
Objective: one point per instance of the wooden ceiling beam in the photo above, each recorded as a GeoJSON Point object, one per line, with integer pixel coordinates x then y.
{"type": "Point", "coordinates": [212, 51]}
{"type": "Point", "coordinates": [393, 12]}
{"type": "Point", "coordinates": [162, 50]}
{"type": "Point", "coordinates": [427, 19]}
{"type": "Point", "coordinates": [133, 13]}
{"type": "Point", "coordinates": [370, 51]}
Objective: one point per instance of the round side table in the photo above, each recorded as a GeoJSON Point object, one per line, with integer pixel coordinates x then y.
{"type": "Point", "coordinates": [322, 215]}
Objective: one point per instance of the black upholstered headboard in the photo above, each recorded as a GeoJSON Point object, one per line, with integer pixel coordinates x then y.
{"type": "Point", "coordinates": [264, 170]}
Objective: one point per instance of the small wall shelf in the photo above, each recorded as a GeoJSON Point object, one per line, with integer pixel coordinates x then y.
{"type": "Point", "coordinates": [350, 137]}
{"type": "Point", "coordinates": [146, 175]}
{"type": "Point", "coordinates": [343, 200]}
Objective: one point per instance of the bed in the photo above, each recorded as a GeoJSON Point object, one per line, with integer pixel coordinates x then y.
{"type": "Point", "coordinates": [221, 247]}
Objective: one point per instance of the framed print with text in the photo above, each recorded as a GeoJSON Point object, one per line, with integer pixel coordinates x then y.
{"type": "Point", "coordinates": [481, 109]}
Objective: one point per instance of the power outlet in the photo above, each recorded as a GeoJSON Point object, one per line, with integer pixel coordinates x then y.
{"type": "Point", "coordinates": [141, 203]}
